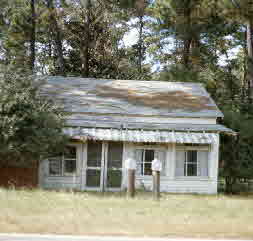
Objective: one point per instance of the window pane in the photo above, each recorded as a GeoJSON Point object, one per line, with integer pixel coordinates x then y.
{"type": "Point", "coordinates": [192, 156]}
{"type": "Point", "coordinates": [55, 166]}
{"type": "Point", "coordinates": [192, 170]}
{"type": "Point", "coordinates": [114, 178]}
{"type": "Point", "coordinates": [93, 178]}
{"type": "Point", "coordinates": [70, 152]}
{"type": "Point", "coordinates": [139, 169]}
{"type": "Point", "coordinates": [69, 166]}
{"type": "Point", "coordinates": [149, 155]}
{"type": "Point", "coordinates": [147, 169]}
{"type": "Point", "coordinates": [115, 150]}
{"type": "Point", "coordinates": [94, 154]}
{"type": "Point", "coordinates": [180, 163]}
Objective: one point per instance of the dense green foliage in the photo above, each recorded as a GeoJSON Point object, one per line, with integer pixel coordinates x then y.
{"type": "Point", "coordinates": [30, 125]}
{"type": "Point", "coordinates": [206, 41]}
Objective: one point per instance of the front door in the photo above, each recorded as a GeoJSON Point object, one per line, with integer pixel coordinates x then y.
{"type": "Point", "coordinates": [104, 166]}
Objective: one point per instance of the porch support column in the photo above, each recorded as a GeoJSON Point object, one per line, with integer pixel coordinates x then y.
{"type": "Point", "coordinates": [214, 162]}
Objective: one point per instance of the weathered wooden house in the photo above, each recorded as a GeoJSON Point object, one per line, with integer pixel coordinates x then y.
{"type": "Point", "coordinates": [112, 120]}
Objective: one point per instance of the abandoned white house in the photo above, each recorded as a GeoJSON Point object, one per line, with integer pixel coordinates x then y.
{"type": "Point", "coordinates": [112, 120]}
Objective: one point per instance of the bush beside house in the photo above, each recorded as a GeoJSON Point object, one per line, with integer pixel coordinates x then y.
{"type": "Point", "coordinates": [30, 129]}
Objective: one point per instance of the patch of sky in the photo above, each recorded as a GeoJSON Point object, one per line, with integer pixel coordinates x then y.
{"type": "Point", "coordinates": [231, 54]}
{"type": "Point", "coordinates": [131, 38]}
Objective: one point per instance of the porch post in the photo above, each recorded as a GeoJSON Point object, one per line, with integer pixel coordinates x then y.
{"type": "Point", "coordinates": [213, 164]}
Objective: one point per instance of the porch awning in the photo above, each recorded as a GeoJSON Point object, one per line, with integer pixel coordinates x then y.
{"type": "Point", "coordinates": [100, 134]}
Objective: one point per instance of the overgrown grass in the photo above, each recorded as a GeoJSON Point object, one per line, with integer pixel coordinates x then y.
{"type": "Point", "coordinates": [38, 211]}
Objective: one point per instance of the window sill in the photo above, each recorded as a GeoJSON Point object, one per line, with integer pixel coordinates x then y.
{"type": "Point", "coordinates": [63, 176]}
{"type": "Point", "coordinates": [149, 177]}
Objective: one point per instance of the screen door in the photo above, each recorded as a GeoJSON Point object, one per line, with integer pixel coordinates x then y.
{"type": "Point", "coordinates": [104, 166]}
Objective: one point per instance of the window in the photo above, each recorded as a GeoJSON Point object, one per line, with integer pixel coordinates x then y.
{"type": "Point", "coordinates": [55, 166]}
{"type": "Point", "coordinates": [192, 163]}
{"type": "Point", "coordinates": [94, 155]}
{"type": "Point", "coordinates": [144, 158]}
{"type": "Point", "coordinates": [63, 164]}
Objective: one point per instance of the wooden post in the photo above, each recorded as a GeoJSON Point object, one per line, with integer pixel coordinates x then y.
{"type": "Point", "coordinates": [156, 184]}
{"type": "Point", "coordinates": [130, 165]}
{"type": "Point", "coordinates": [131, 183]}
{"type": "Point", "coordinates": [156, 169]}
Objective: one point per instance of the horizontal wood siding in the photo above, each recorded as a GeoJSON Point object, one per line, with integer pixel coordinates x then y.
{"type": "Point", "coordinates": [180, 186]}
{"type": "Point", "coordinates": [132, 121]}
{"type": "Point", "coordinates": [62, 182]}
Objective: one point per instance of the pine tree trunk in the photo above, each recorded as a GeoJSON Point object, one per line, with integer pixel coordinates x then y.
{"type": "Point", "coordinates": [140, 44]}
{"type": "Point", "coordinates": [58, 43]}
{"type": "Point", "coordinates": [250, 58]}
{"type": "Point", "coordinates": [33, 36]}
{"type": "Point", "coordinates": [186, 53]}
{"type": "Point", "coordinates": [228, 185]}
{"type": "Point", "coordinates": [195, 52]}
{"type": "Point", "coordinates": [56, 32]}
{"type": "Point", "coordinates": [187, 35]}
{"type": "Point", "coordinates": [85, 49]}
{"type": "Point", "coordinates": [244, 83]}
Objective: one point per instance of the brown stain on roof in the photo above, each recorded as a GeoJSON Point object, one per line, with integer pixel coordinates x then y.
{"type": "Point", "coordinates": [167, 99]}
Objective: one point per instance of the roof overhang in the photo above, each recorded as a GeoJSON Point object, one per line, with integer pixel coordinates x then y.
{"type": "Point", "coordinates": [87, 123]}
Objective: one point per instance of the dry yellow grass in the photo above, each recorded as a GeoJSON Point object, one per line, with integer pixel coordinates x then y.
{"type": "Point", "coordinates": [39, 211]}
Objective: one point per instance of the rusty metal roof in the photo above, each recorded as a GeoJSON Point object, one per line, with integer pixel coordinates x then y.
{"type": "Point", "coordinates": [101, 97]}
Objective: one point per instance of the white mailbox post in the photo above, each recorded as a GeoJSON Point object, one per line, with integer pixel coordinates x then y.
{"type": "Point", "coordinates": [130, 165]}
{"type": "Point", "coordinates": [156, 165]}
{"type": "Point", "coordinates": [156, 169]}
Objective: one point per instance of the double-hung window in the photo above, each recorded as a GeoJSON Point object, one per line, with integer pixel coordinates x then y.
{"type": "Point", "coordinates": [192, 162]}
{"type": "Point", "coordinates": [63, 164]}
{"type": "Point", "coordinates": [145, 156]}
{"type": "Point", "coordinates": [144, 161]}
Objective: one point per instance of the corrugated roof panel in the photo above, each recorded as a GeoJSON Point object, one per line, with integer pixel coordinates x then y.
{"type": "Point", "coordinates": [140, 135]}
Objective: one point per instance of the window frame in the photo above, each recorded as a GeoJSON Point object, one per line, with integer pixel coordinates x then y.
{"type": "Point", "coordinates": [197, 148]}
{"type": "Point", "coordinates": [59, 160]}
{"type": "Point", "coordinates": [62, 160]}
{"type": "Point", "coordinates": [186, 163]}
{"type": "Point", "coordinates": [144, 162]}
